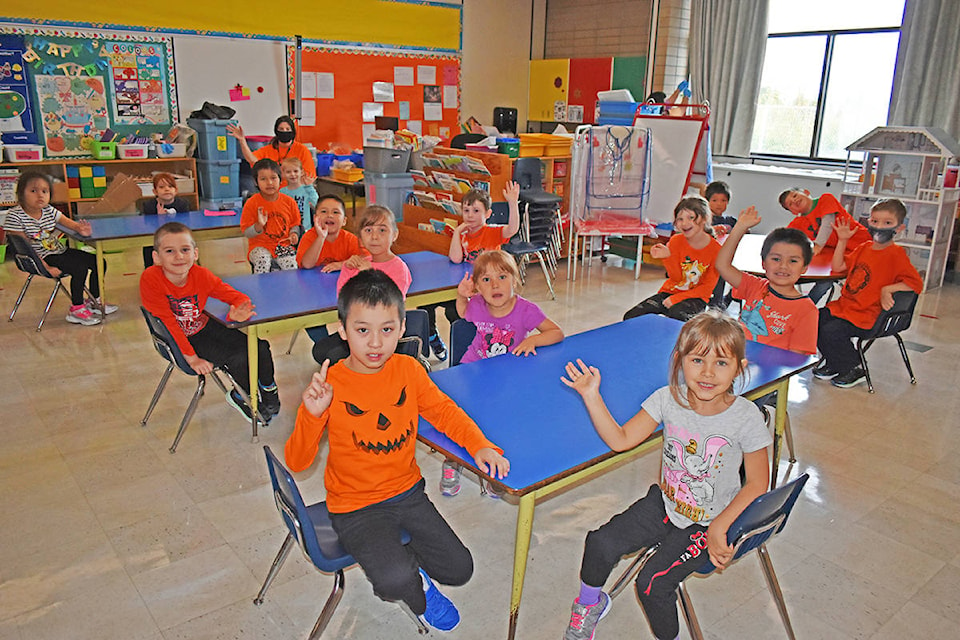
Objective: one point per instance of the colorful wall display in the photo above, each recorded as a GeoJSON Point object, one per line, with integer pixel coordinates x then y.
{"type": "Point", "coordinates": [16, 115]}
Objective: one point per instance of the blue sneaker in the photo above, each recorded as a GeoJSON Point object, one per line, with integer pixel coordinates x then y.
{"type": "Point", "coordinates": [441, 614]}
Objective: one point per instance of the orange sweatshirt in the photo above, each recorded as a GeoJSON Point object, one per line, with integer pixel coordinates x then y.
{"type": "Point", "coordinates": [345, 246]}
{"type": "Point", "coordinates": [690, 272]}
{"type": "Point", "coordinates": [373, 432]}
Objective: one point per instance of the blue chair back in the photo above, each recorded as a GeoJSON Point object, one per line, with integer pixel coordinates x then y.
{"type": "Point", "coordinates": [763, 519]}
{"type": "Point", "coordinates": [462, 333]}
{"type": "Point", "coordinates": [164, 343]}
{"type": "Point", "coordinates": [526, 172]}
{"type": "Point", "coordinates": [26, 257]}
{"type": "Point", "coordinates": [501, 213]}
{"type": "Point", "coordinates": [309, 525]}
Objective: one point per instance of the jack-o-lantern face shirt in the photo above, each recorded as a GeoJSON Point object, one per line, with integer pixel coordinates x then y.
{"type": "Point", "coordinates": [372, 432]}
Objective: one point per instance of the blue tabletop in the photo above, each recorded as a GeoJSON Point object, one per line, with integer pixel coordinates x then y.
{"type": "Point", "coordinates": [289, 294]}
{"type": "Point", "coordinates": [542, 425]}
{"type": "Point", "coordinates": [114, 227]}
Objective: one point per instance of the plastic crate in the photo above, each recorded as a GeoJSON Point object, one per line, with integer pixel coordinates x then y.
{"type": "Point", "coordinates": [213, 141]}
{"type": "Point", "coordinates": [324, 164]}
{"type": "Point", "coordinates": [222, 204]}
{"type": "Point", "coordinates": [103, 150]}
{"type": "Point", "coordinates": [381, 160]}
{"type": "Point", "coordinates": [219, 178]}
{"type": "Point", "coordinates": [620, 113]}
{"type": "Point", "coordinates": [23, 152]}
{"type": "Point", "coordinates": [172, 150]}
{"type": "Point", "coordinates": [388, 190]}
{"type": "Point", "coordinates": [347, 175]}
{"type": "Point", "coordinates": [133, 151]}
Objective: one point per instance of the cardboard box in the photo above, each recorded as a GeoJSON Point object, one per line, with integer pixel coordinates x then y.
{"type": "Point", "coordinates": [120, 197]}
{"type": "Point", "coordinates": [61, 192]}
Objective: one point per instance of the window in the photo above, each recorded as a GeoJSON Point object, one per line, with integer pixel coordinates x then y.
{"type": "Point", "coordinates": [827, 75]}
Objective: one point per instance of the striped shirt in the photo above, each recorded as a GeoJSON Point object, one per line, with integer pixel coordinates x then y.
{"type": "Point", "coordinates": [43, 233]}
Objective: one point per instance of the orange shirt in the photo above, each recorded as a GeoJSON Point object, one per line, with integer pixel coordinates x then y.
{"type": "Point", "coordinates": [811, 222]}
{"type": "Point", "coordinates": [296, 150]}
{"type": "Point", "coordinates": [869, 271]}
{"type": "Point", "coordinates": [345, 246]}
{"type": "Point", "coordinates": [487, 238]}
{"type": "Point", "coordinates": [181, 308]}
{"type": "Point", "coordinates": [690, 272]}
{"type": "Point", "coordinates": [368, 463]}
{"type": "Point", "coordinates": [769, 318]}
{"type": "Point", "coordinates": [283, 215]}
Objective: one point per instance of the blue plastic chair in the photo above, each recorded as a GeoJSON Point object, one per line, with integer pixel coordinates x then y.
{"type": "Point", "coordinates": [309, 526]}
{"type": "Point", "coordinates": [168, 349]}
{"type": "Point", "coordinates": [462, 333]}
{"type": "Point", "coordinates": [31, 264]}
{"type": "Point", "coordinates": [764, 518]}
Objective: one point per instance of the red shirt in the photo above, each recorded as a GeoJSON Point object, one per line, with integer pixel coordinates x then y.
{"type": "Point", "coordinates": [345, 246]}
{"type": "Point", "coordinates": [769, 318]}
{"type": "Point", "coordinates": [487, 238]}
{"type": "Point", "coordinates": [810, 223]}
{"type": "Point", "coordinates": [868, 271]}
{"type": "Point", "coordinates": [690, 272]}
{"type": "Point", "coordinates": [283, 215]}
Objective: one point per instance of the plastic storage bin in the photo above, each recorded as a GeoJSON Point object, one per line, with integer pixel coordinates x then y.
{"type": "Point", "coordinates": [388, 190]}
{"type": "Point", "coordinates": [382, 160]}
{"type": "Point", "coordinates": [324, 163]}
{"type": "Point", "coordinates": [509, 146]}
{"type": "Point", "coordinates": [133, 151]}
{"type": "Point", "coordinates": [622, 113]}
{"type": "Point", "coordinates": [213, 141]}
{"type": "Point", "coordinates": [103, 150]}
{"type": "Point", "coordinates": [222, 204]}
{"type": "Point", "coordinates": [219, 178]}
{"type": "Point", "coordinates": [23, 152]}
{"type": "Point", "coordinates": [172, 150]}
{"type": "Point", "coordinates": [347, 175]}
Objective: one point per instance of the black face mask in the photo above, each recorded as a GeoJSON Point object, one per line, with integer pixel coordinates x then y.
{"type": "Point", "coordinates": [286, 136]}
{"type": "Point", "coordinates": [882, 235]}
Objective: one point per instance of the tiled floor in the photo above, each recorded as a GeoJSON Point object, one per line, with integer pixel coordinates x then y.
{"type": "Point", "coordinates": [107, 535]}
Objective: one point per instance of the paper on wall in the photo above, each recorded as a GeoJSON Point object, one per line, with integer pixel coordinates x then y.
{"type": "Point", "coordinates": [403, 76]}
{"type": "Point", "coordinates": [416, 126]}
{"type": "Point", "coordinates": [324, 85]}
{"type": "Point", "coordinates": [368, 130]}
{"type": "Point", "coordinates": [371, 110]}
{"type": "Point", "coordinates": [449, 97]}
{"type": "Point", "coordinates": [432, 111]}
{"type": "Point", "coordinates": [404, 106]}
{"type": "Point", "coordinates": [308, 85]}
{"type": "Point", "coordinates": [308, 113]}
{"type": "Point", "coordinates": [383, 92]}
{"type": "Point", "coordinates": [426, 74]}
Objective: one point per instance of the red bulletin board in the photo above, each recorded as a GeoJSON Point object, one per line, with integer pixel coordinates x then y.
{"type": "Point", "coordinates": [587, 77]}
{"type": "Point", "coordinates": [339, 120]}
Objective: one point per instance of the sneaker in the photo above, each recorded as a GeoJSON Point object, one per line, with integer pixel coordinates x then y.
{"type": "Point", "coordinates": [94, 307]}
{"type": "Point", "coordinates": [823, 371]}
{"type": "Point", "coordinates": [235, 401]}
{"type": "Point", "coordinates": [850, 379]}
{"type": "Point", "coordinates": [439, 349]}
{"type": "Point", "coordinates": [450, 480]}
{"type": "Point", "coordinates": [80, 314]}
{"type": "Point", "coordinates": [490, 490]}
{"type": "Point", "coordinates": [269, 403]}
{"type": "Point", "coordinates": [441, 614]}
{"type": "Point", "coordinates": [583, 620]}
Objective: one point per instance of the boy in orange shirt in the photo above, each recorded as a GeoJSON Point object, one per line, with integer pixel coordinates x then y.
{"type": "Point", "coordinates": [327, 244]}
{"type": "Point", "coordinates": [875, 270]}
{"type": "Point", "coordinates": [471, 238]}
{"type": "Point", "coordinates": [175, 289]}
{"type": "Point", "coordinates": [271, 222]}
{"type": "Point", "coordinates": [374, 486]}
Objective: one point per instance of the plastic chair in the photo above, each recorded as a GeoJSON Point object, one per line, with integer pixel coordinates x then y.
{"type": "Point", "coordinates": [520, 248]}
{"type": "Point", "coordinates": [461, 140]}
{"type": "Point", "coordinates": [168, 349]}
{"type": "Point", "coordinates": [762, 519]}
{"type": "Point", "coordinates": [29, 261]}
{"type": "Point", "coordinates": [309, 526]}
{"type": "Point", "coordinates": [462, 333]}
{"type": "Point", "coordinates": [889, 323]}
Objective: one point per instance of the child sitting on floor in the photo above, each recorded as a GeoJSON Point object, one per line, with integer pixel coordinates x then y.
{"type": "Point", "coordinates": [271, 222]}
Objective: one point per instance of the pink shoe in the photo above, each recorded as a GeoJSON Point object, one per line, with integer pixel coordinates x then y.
{"type": "Point", "coordinates": [80, 314]}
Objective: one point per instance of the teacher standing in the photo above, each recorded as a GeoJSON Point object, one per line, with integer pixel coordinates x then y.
{"type": "Point", "coordinates": [282, 146]}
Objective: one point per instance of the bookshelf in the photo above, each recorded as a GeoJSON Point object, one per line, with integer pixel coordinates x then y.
{"type": "Point", "coordinates": [909, 163]}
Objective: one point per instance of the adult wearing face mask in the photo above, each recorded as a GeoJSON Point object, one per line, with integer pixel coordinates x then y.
{"type": "Point", "coordinates": [282, 146]}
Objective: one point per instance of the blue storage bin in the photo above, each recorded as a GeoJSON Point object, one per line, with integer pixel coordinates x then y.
{"type": "Point", "coordinates": [324, 163]}
{"type": "Point", "coordinates": [355, 158]}
{"type": "Point", "coordinates": [213, 141]}
{"type": "Point", "coordinates": [622, 113]}
{"type": "Point", "coordinates": [219, 178]}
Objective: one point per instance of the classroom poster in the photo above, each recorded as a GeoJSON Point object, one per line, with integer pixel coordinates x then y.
{"type": "Point", "coordinates": [71, 110]}
{"type": "Point", "coordinates": [16, 116]}
{"type": "Point", "coordinates": [139, 86]}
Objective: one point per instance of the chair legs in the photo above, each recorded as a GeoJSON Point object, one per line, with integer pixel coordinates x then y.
{"type": "Point", "coordinates": [774, 586]}
{"type": "Point", "coordinates": [863, 345]}
{"type": "Point", "coordinates": [53, 294]}
{"type": "Point", "coordinates": [329, 606]}
{"type": "Point", "coordinates": [293, 339]}
{"type": "Point", "coordinates": [157, 394]}
{"type": "Point", "coordinates": [631, 572]}
{"type": "Point", "coordinates": [546, 274]}
{"type": "Point", "coordinates": [686, 606]}
{"type": "Point", "coordinates": [191, 408]}
{"type": "Point", "coordinates": [275, 567]}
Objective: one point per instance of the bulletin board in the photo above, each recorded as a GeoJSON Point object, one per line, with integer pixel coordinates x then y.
{"type": "Point", "coordinates": [343, 90]}
{"type": "Point", "coordinates": [85, 82]}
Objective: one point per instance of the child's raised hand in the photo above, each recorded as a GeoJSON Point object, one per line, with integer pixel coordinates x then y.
{"type": "Point", "coordinates": [717, 548]}
{"type": "Point", "coordinates": [241, 312]}
{"type": "Point", "coordinates": [748, 218]}
{"type": "Point", "coordinates": [581, 378]}
{"type": "Point", "coordinates": [262, 218]}
{"type": "Point", "coordinates": [319, 393]}
{"type": "Point", "coordinates": [235, 130]}
{"type": "Point", "coordinates": [844, 229]}
{"type": "Point", "coordinates": [492, 463]}
{"type": "Point", "coordinates": [511, 192]}
{"type": "Point", "coordinates": [466, 288]}
{"type": "Point", "coordinates": [525, 348]}
{"type": "Point", "coordinates": [659, 251]}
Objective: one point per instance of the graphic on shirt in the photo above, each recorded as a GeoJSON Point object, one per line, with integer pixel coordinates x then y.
{"type": "Point", "coordinates": [378, 437]}
{"type": "Point", "coordinates": [687, 479]}
{"type": "Point", "coordinates": [752, 318]}
{"type": "Point", "coordinates": [277, 227]}
{"type": "Point", "coordinates": [470, 256]}
{"type": "Point", "coordinates": [692, 271]}
{"type": "Point", "coordinates": [49, 240]}
{"type": "Point", "coordinates": [857, 279]}
{"type": "Point", "coordinates": [498, 342]}
{"type": "Point", "coordinates": [188, 313]}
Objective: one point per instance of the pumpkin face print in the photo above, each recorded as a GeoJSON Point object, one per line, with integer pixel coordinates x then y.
{"type": "Point", "coordinates": [376, 432]}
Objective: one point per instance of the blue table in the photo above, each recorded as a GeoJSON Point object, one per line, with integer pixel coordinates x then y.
{"type": "Point", "coordinates": [288, 301]}
{"type": "Point", "coordinates": [544, 428]}
{"type": "Point", "coordinates": [124, 232]}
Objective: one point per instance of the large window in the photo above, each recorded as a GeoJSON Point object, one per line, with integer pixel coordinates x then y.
{"type": "Point", "coordinates": [827, 75]}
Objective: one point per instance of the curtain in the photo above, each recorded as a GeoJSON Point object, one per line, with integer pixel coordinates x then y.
{"type": "Point", "coordinates": [926, 79]}
{"type": "Point", "coordinates": [727, 42]}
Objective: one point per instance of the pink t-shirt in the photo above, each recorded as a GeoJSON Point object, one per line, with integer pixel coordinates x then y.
{"type": "Point", "coordinates": [394, 267]}
{"type": "Point", "coordinates": [496, 336]}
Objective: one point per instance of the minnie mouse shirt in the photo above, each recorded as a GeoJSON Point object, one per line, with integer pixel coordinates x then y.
{"type": "Point", "coordinates": [496, 336]}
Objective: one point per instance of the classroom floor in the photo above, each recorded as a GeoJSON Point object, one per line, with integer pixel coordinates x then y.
{"type": "Point", "coordinates": [107, 535]}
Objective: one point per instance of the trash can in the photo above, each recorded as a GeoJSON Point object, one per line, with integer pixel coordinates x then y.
{"type": "Point", "coordinates": [388, 190]}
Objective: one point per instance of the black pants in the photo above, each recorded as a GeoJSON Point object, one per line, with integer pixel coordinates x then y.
{"type": "Point", "coordinates": [77, 264]}
{"type": "Point", "coordinates": [449, 310]}
{"type": "Point", "coordinates": [644, 524]}
{"type": "Point", "coordinates": [683, 310]}
{"type": "Point", "coordinates": [835, 341]}
{"type": "Point", "coordinates": [228, 348]}
{"type": "Point", "coordinates": [372, 536]}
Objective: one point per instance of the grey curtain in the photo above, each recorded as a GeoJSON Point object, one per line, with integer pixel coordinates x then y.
{"type": "Point", "coordinates": [926, 79]}
{"type": "Point", "coordinates": [727, 41]}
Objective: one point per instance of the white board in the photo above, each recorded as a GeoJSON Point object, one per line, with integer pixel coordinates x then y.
{"type": "Point", "coordinates": [673, 145]}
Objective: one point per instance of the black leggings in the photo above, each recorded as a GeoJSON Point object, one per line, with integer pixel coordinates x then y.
{"type": "Point", "coordinates": [372, 536]}
{"type": "Point", "coordinates": [449, 310]}
{"type": "Point", "coordinates": [644, 524]}
{"type": "Point", "coordinates": [228, 348]}
{"type": "Point", "coordinates": [77, 264]}
{"type": "Point", "coordinates": [683, 310]}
